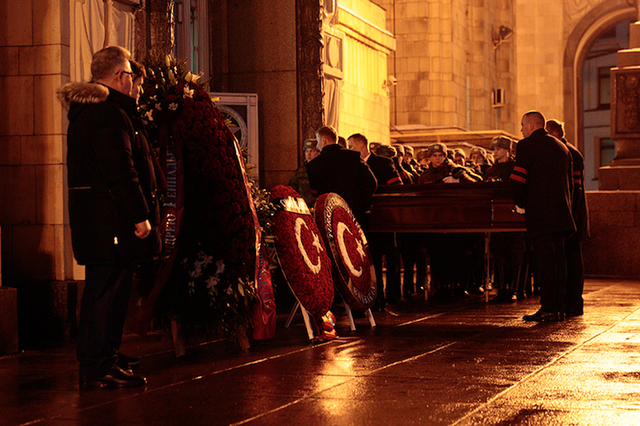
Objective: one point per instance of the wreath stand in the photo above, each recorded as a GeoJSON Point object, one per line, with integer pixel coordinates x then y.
{"type": "Point", "coordinates": [305, 317]}
{"type": "Point", "coordinates": [352, 323]}
{"type": "Point", "coordinates": [307, 320]}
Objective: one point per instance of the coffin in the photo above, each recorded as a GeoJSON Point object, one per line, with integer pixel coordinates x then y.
{"type": "Point", "coordinates": [461, 207]}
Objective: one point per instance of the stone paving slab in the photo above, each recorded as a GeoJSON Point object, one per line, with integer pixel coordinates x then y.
{"type": "Point", "coordinates": [460, 363]}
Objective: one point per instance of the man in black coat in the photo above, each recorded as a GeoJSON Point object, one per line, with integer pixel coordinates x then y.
{"type": "Point", "coordinates": [573, 244]}
{"type": "Point", "coordinates": [342, 171]}
{"type": "Point", "coordinates": [108, 212]}
{"type": "Point", "coordinates": [381, 243]}
{"type": "Point", "coordinates": [542, 186]}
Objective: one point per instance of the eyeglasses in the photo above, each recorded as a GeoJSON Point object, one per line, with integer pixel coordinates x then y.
{"type": "Point", "coordinates": [132, 74]}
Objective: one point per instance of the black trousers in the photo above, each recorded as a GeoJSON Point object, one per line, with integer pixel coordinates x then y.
{"type": "Point", "coordinates": [549, 255]}
{"type": "Point", "coordinates": [103, 311]}
{"type": "Point", "coordinates": [575, 274]}
{"type": "Point", "coordinates": [383, 244]}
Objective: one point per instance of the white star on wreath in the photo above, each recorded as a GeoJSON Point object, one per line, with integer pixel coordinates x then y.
{"type": "Point", "coordinates": [315, 268]}
{"type": "Point", "coordinates": [344, 253]}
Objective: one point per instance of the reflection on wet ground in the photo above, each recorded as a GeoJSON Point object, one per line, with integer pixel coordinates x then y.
{"type": "Point", "coordinates": [461, 363]}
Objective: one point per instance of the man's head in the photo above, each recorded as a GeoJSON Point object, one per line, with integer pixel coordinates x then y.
{"type": "Point", "coordinates": [478, 155]}
{"type": "Point", "coordinates": [326, 135]}
{"type": "Point", "coordinates": [111, 67]}
{"type": "Point", "coordinates": [386, 151]}
{"type": "Point", "coordinates": [373, 146]}
{"type": "Point", "coordinates": [532, 121]}
{"type": "Point", "coordinates": [422, 157]}
{"type": "Point", "coordinates": [501, 147]}
{"type": "Point", "coordinates": [138, 79]}
{"type": "Point", "coordinates": [310, 150]}
{"type": "Point", "coordinates": [459, 156]}
{"type": "Point", "coordinates": [437, 154]}
{"type": "Point", "coordinates": [399, 150]}
{"type": "Point", "coordinates": [342, 142]}
{"type": "Point", "coordinates": [408, 153]}
{"type": "Point", "coordinates": [358, 142]}
{"type": "Point", "coordinates": [556, 128]}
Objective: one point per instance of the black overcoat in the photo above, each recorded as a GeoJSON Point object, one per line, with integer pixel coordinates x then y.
{"type": "Point", "coordinates": [106, 199]}
{"type": "Point", "coordinates": [342, 171]}
{"type": "Point", "coordinates": [542, 182]}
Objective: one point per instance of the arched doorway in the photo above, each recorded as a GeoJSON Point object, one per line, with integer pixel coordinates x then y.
{"type": "Point", "coordinates": [593, 25]}
{"type": "Point", "coordinates": [598, 147]}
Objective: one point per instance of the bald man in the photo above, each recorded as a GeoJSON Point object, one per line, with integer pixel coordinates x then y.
{"type": "Point", "coordinates": [542, 182]}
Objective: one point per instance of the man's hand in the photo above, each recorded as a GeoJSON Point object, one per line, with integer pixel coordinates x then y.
{"type": "Point", "coordinates": [450, 179]}
{"type": "Point", "coordinates": [519, 210]}
{"type": "Point", "coordinates": [143, 229]}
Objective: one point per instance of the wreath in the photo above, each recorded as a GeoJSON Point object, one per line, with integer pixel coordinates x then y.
{"type": "Point", "coordinates": [303, 256]}
{"type": "Point", "coordinates": [212, 289]}
{"type": "Point", "coordinates": [353, 272]}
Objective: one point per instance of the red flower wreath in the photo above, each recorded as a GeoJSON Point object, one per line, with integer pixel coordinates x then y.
{"type": "Point", "coordinates": [352, 266]}
{"type": "Point", "coordinates": [302, 254]}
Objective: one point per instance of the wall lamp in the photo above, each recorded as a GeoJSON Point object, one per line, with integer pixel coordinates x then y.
{"type": "Point", "coordinates": [504, 34]}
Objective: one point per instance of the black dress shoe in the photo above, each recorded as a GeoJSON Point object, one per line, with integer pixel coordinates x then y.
{"type": "Point", "coordinates": [571, 314]}
{"type": "Point", "coordinates": [130, 360]}
{"type": "Point", "coordinates": [541, 316]}
{"type": "Point", "coordinates": [115, 378]}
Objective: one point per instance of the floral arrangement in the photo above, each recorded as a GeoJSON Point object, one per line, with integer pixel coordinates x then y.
{"type": "Point", "coordinates": [212, 288]}
{"type": "Point", "coordinates": [353, 273]}
{"type": "Point", "coordinates": [302, 254]}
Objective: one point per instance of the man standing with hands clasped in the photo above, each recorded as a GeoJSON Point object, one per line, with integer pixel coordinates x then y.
{"type": "Point", "coordinates": [542, 184]}
{"type": "Point", "coordinates": [108, 213]}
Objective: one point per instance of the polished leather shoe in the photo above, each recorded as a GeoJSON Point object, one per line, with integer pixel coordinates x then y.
{"type": "Point", "coordinates": [541, 316]}
{"type": "Point", "coordinates": [571, 314]}
{"type": "Point", "coordinates": [127, 361]}
{"type": "Point", "coordinates": [131, 360]}
{"type": "Point", "coordinates": [115, 378]}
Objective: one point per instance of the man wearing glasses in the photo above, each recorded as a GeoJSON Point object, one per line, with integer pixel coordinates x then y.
{"type": "Point", "coordinates": [108, 213]}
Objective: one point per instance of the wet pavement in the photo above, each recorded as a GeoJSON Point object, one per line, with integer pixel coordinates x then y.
{"type": "Point", "coordinates": [460, 363]}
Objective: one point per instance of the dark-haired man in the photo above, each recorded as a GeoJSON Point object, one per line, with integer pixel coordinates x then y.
{"type": "Point", "coordinates": [573, 244]}
{"type": "Point", "coordinates": [342, 171]}
{"type": "Point", "coordinates": [542, 184]}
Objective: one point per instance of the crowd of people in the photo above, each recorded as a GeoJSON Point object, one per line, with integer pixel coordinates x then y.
{"type": "Point", "coordinates": [546, 175]}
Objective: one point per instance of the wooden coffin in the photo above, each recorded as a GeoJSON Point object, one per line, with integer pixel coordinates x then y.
{"type": "Point", "coordinates": [461, 207]}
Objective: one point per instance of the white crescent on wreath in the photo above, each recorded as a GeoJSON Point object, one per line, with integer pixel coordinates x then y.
{"type": "Point", "coordinates": [313, 267]}
{"type": "Point", "coordinates": [356, 284]}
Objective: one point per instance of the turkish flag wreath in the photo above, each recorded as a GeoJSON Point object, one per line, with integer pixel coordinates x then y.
{"type": "Point", "coordinates": [303, 257]}
{"type": "Point", "coordinates": [353, 273]}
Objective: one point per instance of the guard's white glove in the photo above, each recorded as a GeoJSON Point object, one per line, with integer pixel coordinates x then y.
{"type": "Point", "coordinates": [451, 179]}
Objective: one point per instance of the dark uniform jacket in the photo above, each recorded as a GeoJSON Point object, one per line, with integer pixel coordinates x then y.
{"type": "Point", "coordinates": [542, 182]}
{"type": "Point", "coordinates": [499, 172]}
{"type": "Point", "coordinates": [579, 201]}
{"type": "Point", "coordinates": [342, 171]}
{"type": "Point", "coordinates": [106, 187]}
{"type": "Point", "coordinates": [300, 182]}
{"type": "Point", "coordinates": [448, 168]}
{"type": "Point", "coordinates": [384, 170]}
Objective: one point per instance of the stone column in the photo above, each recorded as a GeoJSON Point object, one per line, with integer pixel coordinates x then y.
{"type": "Point", "coordinates": [8, 316]}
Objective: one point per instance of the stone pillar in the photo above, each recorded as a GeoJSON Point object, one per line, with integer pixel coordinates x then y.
{"type": "Point", "coordinates": [623, 173]}
{"type": "Point", "coordinates": [8, 316]}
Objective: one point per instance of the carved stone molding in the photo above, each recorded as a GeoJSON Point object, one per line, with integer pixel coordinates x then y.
{"type": "Point", "coordinates": [159, 18]}
{"type": "Point", "coordinates": [309, 67]}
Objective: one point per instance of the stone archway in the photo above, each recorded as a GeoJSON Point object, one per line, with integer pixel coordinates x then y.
{"type": "Point", "coordinates": [580, 40]}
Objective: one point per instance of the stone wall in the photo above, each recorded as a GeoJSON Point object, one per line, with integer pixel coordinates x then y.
{"type": "Point", "coordinates": [364, 105]}
{"type": "Point", "coordinates": [446, 65]}
{"type": "Point", "coordinates": [613, 249]}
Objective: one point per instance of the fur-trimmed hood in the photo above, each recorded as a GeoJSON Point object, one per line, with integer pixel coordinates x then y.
{"type": "Point", "coordinates": [83, 93]}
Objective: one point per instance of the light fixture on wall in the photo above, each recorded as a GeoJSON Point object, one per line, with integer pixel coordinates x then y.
{"type": "Point", "coordinates": [503, 34]}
